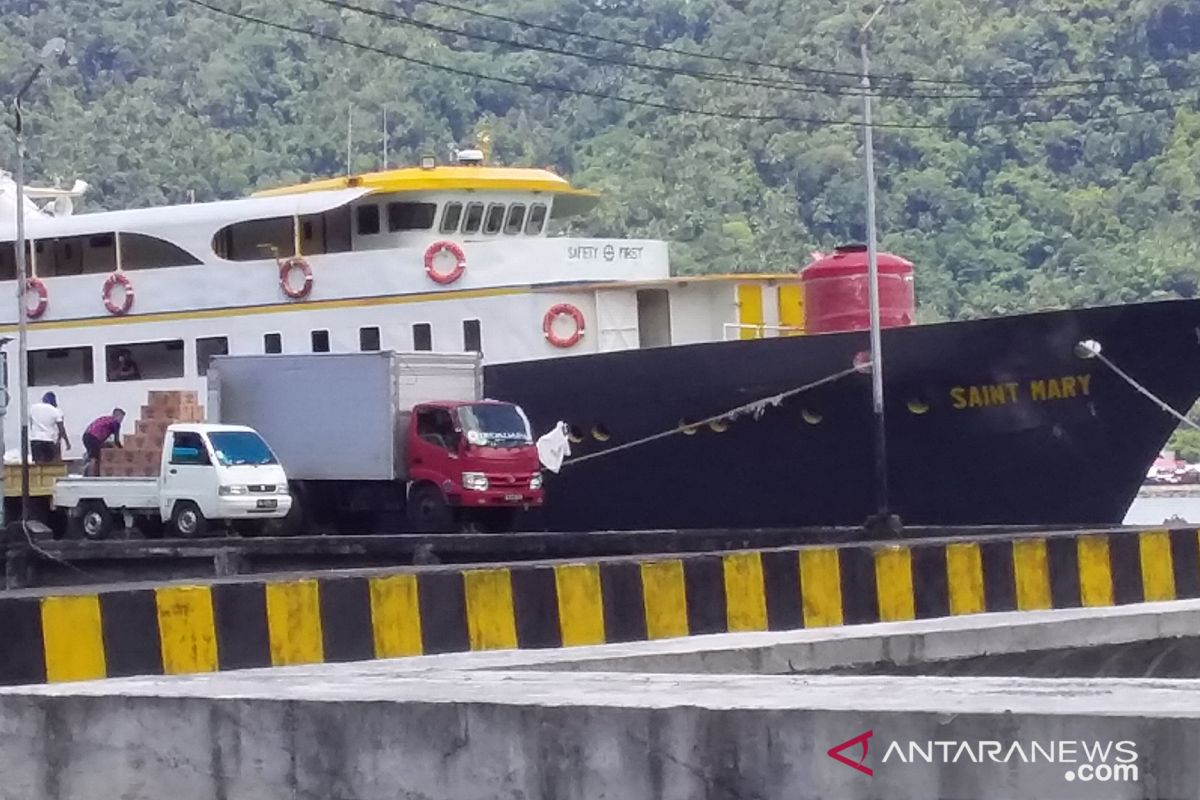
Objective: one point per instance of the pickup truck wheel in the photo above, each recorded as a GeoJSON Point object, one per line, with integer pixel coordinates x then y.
{"type": "Point", "coordinates": [188, 521]}
{"type": "Point", "coordinates": [427, 510]}
{"type": "Point", "coordinates": [95, 520]}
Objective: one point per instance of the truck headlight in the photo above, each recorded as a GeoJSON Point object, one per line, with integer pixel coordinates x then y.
{"type": "Point", "coordinates": [282, 488]}
{"type": "Point", "coordinates": [475, 480]}
{"type": "Point", "coordinates": [228, 490]}
{"type": "Point", "coordinates": [535, 482]}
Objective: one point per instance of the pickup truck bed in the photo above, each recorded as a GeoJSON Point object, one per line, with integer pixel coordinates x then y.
{"type": "Point", "coordinates": [117, 493]}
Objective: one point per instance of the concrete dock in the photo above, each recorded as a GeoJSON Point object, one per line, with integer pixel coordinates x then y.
{"type": "Point", "coordinates": [721, 716]}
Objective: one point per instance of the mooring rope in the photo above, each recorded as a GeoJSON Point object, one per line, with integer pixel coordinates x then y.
{"type": "Point", "coordinates": [757, 408]}
{"type": "Point", "coordinates": [1093, 348]}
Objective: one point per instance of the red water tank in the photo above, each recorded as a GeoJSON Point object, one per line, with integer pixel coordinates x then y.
{"type": "Point", "coordinates": [837, 293]}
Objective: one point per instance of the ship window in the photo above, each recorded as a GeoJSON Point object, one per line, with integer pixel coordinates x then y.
{"type": "Point", "coordinates": [422, 336]}
{"type": "Point", "coordinates": [147, 252]}
{"type": "Point", "coordinates": [537, 219]}
{"type": "Point", "coordinates": [472, 336]}
{"type": "Point", "coordinates": [272, 343]}
{"type": "Point", "coordinates": [8, 261]}
{"type": "Point", "coordinates": [320, 341]}
{"type": "Point", "coordinates": [495, 218]}
{"type": "Point", "coordinates": [368, 339]}
{"type": "Point", "coordinates": [411, 216]}
{"type": "Point", "coordinates": [368, 220]}
{"type": "Point", "coordinates": [104, 240]}
{"type": "Point", "coordinates": [63, 366]}
{"type": "Point", "coordinates": [516, 218]}
{"type": "Point", "coordinates": [451, 216]}
{"type": "Point", "coordinates": [144, 360]}
{"type": "Point", "coordinates": [474, 218]}
{"type": "Point", "coordinates": [206, 348]}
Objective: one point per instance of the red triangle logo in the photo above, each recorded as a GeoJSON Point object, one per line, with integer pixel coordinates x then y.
{"type": "Point", "coordinates": [835, 752]}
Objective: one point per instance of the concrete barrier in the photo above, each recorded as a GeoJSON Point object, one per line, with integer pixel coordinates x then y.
{"type": "Point", "coordinates": [255, 622]}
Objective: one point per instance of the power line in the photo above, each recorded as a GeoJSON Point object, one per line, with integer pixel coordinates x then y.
{"type": "Point", "coordinates": [730, 115]}
{"type": "Point", "coordinates": [771, 65]}
{"type": "Point", "coordinates": [806, 87]}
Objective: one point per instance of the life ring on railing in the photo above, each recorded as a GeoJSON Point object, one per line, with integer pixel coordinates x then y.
{"type": "Point", "coordinates": [460, 262]}
{"type": "Point", "coordinates": [285, 273]}
{"type": "Point", "coordinates": [563, 310]}
{"type": "Point", "coordinates": [36, 286]}
{"type": "Point", "coordinates": [115, 279]}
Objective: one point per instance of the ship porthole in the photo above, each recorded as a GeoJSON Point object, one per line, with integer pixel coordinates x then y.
{"type": "Point", "coordinates": [811, 417]}
{"type": "Point", "coordinates": [574, 434]}
{"type": "Point", "coordinates": [600, 433]}
{"type": "Point", "coordinates": [719, 425]}
{"type": "Point", "coordinates": [688, 427]}
{"type": "Point", "coordinates": [918, 406]}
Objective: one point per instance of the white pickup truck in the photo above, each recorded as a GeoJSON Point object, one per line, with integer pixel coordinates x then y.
{"type": "Point", "coordinates": [208, 473]}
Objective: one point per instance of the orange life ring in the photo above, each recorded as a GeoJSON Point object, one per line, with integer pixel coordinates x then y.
{"type": "Point", "coordinates": [285, 271]}
{"type": "Point", "coordinates": [561, 310]}
{"type": "Point", "coordinates": [36, 286]}
{"type": "Point", "coordinates": [113, 280]}
{"type": "Point", "coordinates": [460, 262]}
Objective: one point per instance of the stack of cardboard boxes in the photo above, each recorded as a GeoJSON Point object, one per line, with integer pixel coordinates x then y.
{"type": "Point", "coordinates": [141, 453]}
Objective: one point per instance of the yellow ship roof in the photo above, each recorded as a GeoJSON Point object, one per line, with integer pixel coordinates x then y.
{"type": "Point", "coordinates": [570, 200]}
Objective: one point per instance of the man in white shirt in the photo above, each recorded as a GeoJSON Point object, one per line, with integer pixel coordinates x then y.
{"type": "Point", "coordinates": [46, 430]}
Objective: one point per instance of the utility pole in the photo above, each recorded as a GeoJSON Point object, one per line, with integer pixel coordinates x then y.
{"type": "Point", "coordinates": [881, 463]}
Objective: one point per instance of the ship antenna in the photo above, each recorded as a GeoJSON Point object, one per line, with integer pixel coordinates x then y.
{"type": "Point", "coordinates": [349, 133]}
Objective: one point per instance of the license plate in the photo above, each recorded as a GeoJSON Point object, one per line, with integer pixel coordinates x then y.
{"type": "Point", "coordinates": [512, 498]}
{"type": "Point", "coordinates": [267, 504]}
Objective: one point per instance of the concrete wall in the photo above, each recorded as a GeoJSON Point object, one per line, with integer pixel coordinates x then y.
{"type": "Point", "coordinates": [251, 622]}
{"type": "Point", "coordinates": [646, 738]}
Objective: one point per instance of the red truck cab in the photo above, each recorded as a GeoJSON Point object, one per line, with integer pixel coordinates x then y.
{"type": "Point", "coordinates": [470, 463]}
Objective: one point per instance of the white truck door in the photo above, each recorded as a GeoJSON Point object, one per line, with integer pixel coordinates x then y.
{"type": "Point", "coordinates": [189, 473]}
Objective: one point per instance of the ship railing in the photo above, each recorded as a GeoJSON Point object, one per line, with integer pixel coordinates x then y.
{"type": "Point", "coordinates": [736, 330]}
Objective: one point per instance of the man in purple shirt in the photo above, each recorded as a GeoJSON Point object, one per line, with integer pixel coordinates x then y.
{"type": "Point", "coordinates": [97, 434]}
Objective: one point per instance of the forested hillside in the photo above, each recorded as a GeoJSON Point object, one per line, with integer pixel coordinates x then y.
{"type": "Point", "coordinates": [1031, 154]}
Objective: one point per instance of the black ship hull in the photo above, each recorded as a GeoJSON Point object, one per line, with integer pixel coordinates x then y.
{"type": "Point", "coordinates": [996, 421]}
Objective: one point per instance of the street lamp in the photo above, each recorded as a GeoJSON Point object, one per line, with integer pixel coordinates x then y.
{"type": "Point", "coordinates": [51, 50]}
{"type": "Point", "coordinates": [881, 470]}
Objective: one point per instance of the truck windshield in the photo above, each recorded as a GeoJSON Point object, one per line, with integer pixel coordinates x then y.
{"type": "Point", "coordinates": [494, 424]}
{"type": "Point", "coordinates": [240, 447]}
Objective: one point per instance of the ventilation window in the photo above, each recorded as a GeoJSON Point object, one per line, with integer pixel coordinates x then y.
{"type": "Point", "coordinates": [516, 219]}
{"type": "Point", "coordinates": [422, 336]}
{"type": "Point", "coordinates": [537, 219]}
{"type": "Point", "coordinates": [474, 218]}
{"type": "Point", "coordinates": [272, 343]}
{"type": "Point", "coordinates": [472, 336]}
{"type": "Point", "coordinates": [320, 341]}
{"type": "Point", "coordinates": [66, 366]}
{"type": "Point", "coordinates": [451, 216]}
{"type": "Point", "coordinates": [368, 220]}
{"type": "Point", "coordinates": [495, 218]}
{"type": "Point", "coordinates": [368, 339]}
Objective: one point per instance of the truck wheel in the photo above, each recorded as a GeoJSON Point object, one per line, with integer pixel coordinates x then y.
{"type": "Point", "coordinates": [427, 510]}
{"type": "Point", "coordinates": [95, 520]}
{"type": "Point", "coordinates": [188, 521]}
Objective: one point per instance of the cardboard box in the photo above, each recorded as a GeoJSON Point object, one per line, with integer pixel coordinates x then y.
{"type": "Point", "coordinates": [154, 429]}
{"type": "Point", "coordinates": [167, 399]}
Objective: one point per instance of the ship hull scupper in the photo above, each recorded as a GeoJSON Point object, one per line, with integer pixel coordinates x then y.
{"type": "Point", "coordinates": [995, 421]}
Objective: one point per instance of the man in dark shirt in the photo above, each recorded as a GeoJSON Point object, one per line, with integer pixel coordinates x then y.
{"type": "Point", "coordinates": [97, 434]}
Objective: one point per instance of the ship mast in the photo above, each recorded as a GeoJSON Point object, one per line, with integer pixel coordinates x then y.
{"type": "Point", "coordinates": [881, 471]}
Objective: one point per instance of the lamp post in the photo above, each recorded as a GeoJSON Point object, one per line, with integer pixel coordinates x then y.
{"type": "Point", "coordinates": [881, 470]}
{"type": "Point", "coordinates": [52, 49]}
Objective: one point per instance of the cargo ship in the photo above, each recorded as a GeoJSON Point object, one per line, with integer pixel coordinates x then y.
{"type": "Point", "coordinates": [989, 421]}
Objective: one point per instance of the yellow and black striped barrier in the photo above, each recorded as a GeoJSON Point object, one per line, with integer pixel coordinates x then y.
{"type": "Point", "coordinates": [234, 624]}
